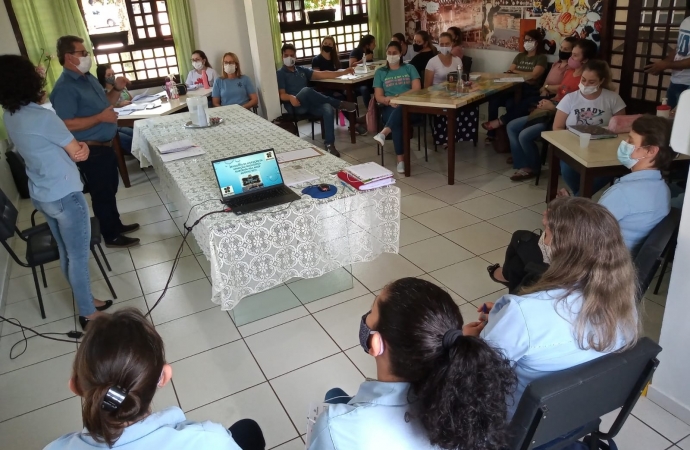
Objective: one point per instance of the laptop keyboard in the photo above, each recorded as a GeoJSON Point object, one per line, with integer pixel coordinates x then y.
{"type": "Point", "coordinates": [260, 196]}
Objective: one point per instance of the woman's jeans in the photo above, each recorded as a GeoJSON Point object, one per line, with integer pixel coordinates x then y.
{"type": "Point", "coordinates": [523, 145]}
{"type": "Point", "coordinates": [126, 134]}
{"type": "Point", "coordinates": [336, 396]}
{"type": "Point", "coordinates": [70, 222]}
{"type": "Point", "coordinates": [572, 179]}
{"type": "Point", "coordinates": [392, 118]}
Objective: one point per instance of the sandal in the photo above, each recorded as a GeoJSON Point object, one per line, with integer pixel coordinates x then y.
{"type": "Point", "coordinates": [521, 175]}
{"type": "Point", "coordinates": [491, 269]}
{"type": "Point", "coordinates": [491, 125]}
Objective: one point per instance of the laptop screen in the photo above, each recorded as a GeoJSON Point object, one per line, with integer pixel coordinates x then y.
{"type": "Point", "coordinates": [247, 173]}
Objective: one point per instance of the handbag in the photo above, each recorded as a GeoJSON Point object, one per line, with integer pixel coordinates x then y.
{"type": "Point", "coordinates": [286, 124]}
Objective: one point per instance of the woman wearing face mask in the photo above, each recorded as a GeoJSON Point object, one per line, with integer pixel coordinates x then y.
{"type": "Point", "coordinates": [119, 366]}
{"type": "Point", "coordinates": [456, 34]}
{"type": "Point", "coordinates": [106, 76]}
{"type": "Point", "coordinates": [524, 131]}
{"type": "Point", "coordinates": [396, 78]}
{"type": "Point", "coordinates": [233, 88]}
{"type": "Point", "coordinates": [365, 49]}
{"type": "Point", "coordinates": [531, 64]}
{"type": "Point", "coordinates": [593, 104]}
{"type": "Point", "coordinates": [581, 308]}
{"type": "Point", "coordinates": [425, 51]}
{"type": "Point", "coordinates": [436, 388]}
{"type": "Point", "coordinates": [202, 74]}
{"type": "Point", "coordinates": [641, 199]}
{"type": "Point", "coordinates": [436, 72]}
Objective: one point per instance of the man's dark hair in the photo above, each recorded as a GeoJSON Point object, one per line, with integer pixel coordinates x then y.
{"type": "Point", "coordinates": [65, 44]}
{"type": "Point", "coordinates": [656, 131]}
{"type": "Point", "coordinates": [21, 84]}
{"type": "Point", "coordinates": [287, 46]}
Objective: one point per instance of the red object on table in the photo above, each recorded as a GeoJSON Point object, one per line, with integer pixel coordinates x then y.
{"type": "Point", "coordinates": [204, 79]}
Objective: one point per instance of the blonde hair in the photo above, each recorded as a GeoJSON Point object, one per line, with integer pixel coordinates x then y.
{"type": "Point", "coordinates": [603, 71]}
{"type": "Point", "coordinates": [238, 71]}
{"type": "Point", "coordinates": [588, 255]}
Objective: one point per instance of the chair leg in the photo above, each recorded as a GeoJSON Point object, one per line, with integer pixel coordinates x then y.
{"type": "Point", "coordinates": [667, 259]}
{"type": "Point", "coordinates": [107, 264]}
{"type": "Point", "coordinates": [105, 275]}
{"type": "Point", "coordinates": [312, 131]}
{"type": "Point", "coordinates": [296, 129]}
{"type": "Point", "coordinates": [43, 275]}
{"type": "Point", "coordinates": [426, 152]}
{"type": "Point", "coordinates": [419, 139]}
{"type": "Point", "coordinates": [38, 293]}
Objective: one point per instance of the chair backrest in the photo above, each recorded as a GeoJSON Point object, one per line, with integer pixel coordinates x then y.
{"type": "Point", "coordinates": [467, 64]}
{"type": "Point", "coordinates": [648, 258]}
{"type": "Point", "coordinates": [8, 217]}
{"type": "Point", "coordinates": [558, 404]}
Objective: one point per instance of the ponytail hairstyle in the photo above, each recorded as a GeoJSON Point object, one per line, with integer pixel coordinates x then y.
{"type": "Point", "coordinates": [601, 68]}
{"type": "Point", "coordinates": [589, 49]}
{"type": "Point", "coordinates": [426, 37]}
{"type": "Point", "coordinates": [458, 35]}
{"type": "Point", "coordinates": [459, 384]}
{"type": "Point", "coordinates": [120, 350]}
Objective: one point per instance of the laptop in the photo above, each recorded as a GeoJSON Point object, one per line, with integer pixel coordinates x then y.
{"type": "Point", "coordinates": [251, 182]}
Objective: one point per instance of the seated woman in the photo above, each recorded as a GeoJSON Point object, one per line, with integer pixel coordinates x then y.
{"type": "Point", "coordinates": [436, 388]}
{"type": "Point", "coordinates": [523, 132]}
{"type": "Point", "coordinates": [400, 38]}
{"type": "Point", "coordinates": [233, 88]}
{"type": "Point", "coordinates": [396, 78]}
{"type": "Point", "coordinates": [531, 64]}
{"type": "Point", "coordinates": [363, 51]}
{"type": "Point", "coordinates": [436, 72]}
{"type": "Point", "coordinates": [106, 76]}
{"type": "Point", "coordinates": [425, 49]}
{"type": "Point", "coordinates": [202, 70]}
{"type": "Point", "coordinates": [581, 308]}
{"type": "Point", "coordinates": [593, 104]}
{"type": "Point", "coordinates": [119, 366]}
{"type": "Point", "coordinates": [456, 37]}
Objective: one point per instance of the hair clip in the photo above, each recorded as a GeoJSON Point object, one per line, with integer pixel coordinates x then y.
{"type": "Point", "coordinates": [113, 398]}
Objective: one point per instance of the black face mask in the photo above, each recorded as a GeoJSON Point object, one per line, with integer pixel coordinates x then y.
{"type": "Point", "coordinates": [417, 47]}
{"type": "Point", "coordinates": [327, 48]}
{"type": "Point", "coordinates": [564, 56]}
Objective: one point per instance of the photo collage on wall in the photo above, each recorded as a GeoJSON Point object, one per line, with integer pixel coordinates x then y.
{"type": "Point", "coordinates": [498, 24]}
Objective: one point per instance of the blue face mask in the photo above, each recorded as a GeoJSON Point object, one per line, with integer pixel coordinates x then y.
{"type": "Point", "coordinates": [625, 151]}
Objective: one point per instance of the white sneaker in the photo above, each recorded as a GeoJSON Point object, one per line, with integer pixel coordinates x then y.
{"type": "Point", "coordinates": [401, 167]}
{"type": "Point", "coordinates": [380, 138]}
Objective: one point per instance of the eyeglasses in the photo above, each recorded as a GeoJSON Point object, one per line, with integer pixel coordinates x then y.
{"type": "Point", "coordinates": [83, 52]}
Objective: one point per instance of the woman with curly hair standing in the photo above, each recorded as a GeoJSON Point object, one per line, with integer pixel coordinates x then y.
{"type": "Point", "coordinates": [50, 152]}
{"type": "Point", "coordinates": [436, 388]}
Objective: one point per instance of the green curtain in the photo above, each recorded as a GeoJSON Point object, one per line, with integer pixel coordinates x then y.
{"type": "Point", "coordinates": [41, 23]}
{"type": "Point", "coordinates": [180, 16]}
{"type": "Point", "coordinates": [380, 25]}
{"type": "Point", "coordinates": [275, 32]}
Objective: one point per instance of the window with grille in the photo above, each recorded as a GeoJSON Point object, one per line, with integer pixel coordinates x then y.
{"type": "Point", "coordinates": [134, 37]}
{"type": "Point", "coordinates": [297, 25]}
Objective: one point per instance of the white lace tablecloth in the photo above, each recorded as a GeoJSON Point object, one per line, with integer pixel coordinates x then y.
{"type": "Point", "coordinates": [257, 251]}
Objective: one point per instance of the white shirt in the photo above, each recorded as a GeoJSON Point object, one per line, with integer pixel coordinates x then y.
{"type": "Point", "coordinates": [440, 71]}
{"type": "Point", "coordinates": [195, 78]}
{"type": "Point", "coordinates": [599, 111]}
{"type": "Point", "coordinates": [682, 52]}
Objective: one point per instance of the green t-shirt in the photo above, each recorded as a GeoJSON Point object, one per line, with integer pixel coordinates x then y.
{"type": "Point", "coordinates": [526, 63]}
{"type": "Point", "coordinates": [395, 82]}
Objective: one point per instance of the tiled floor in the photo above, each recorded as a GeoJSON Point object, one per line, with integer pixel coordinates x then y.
{"type": "Point", "coordinates": [273, 368]}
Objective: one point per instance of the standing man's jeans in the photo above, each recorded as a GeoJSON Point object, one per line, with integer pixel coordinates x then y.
{"type": "Point", "coordinates": [673, 93]}
{"type": "Point", "coordinates": [70, 222]}
{"type": "Point", "coordinates": [572, 179]}
{"type": "Point", "coordinates": [317, 104]}
{"type": "Point", "coordinates": [523, 145]}
{"type": "Point", "coordinates": [102, 179]}
{"type": "Point", "coordinates": [337, 396]}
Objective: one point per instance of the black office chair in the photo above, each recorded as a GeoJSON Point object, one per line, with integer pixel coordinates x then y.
{"type": "Point", "coordinates": [563, 407]}
{"type": "Point", "coordinates": [41, 247]}
{"type": "Point", "coordinates": [660, 241]}
{"type": "Point", "coordinates": [295, 118]}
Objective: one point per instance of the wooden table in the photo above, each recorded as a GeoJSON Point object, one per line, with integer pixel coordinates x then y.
{"type": "Point", "coordinates": [348, 83]}
{"type": "Point", "coordinates": [443, 100]}
{"type": "Point", "coordinates": [169, 107]}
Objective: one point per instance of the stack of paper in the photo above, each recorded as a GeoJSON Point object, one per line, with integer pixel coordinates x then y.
{"type": "Point", "coordinates": [297, 154]}
{"type": "Point", "coordinates": [177, 146]}
{"type": "Point", "coordinates": [367, 176]}
{"type": "Point", "coordinates": [294, 176]}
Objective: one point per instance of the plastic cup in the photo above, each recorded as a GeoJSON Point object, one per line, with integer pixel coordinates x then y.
{"type": "Point", "coordinates": [584, 140]}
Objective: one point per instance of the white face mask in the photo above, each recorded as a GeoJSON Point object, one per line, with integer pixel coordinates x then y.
{"type": "Point", "coordinates": [588, 90]}
{"type": "Point", "coordinates": [230, 68]}
{"type": "Point", "coordinates": [198, 64]}
{"type": "Point", "coordinates": [393, 59]}
{"type": "Point", "coordinates": [545, 249]}
{"type": "Point", "coordinates": [84, 64]}
{"type": "Point", "coordinates": [444, 50]}
{"type": "Point", "coordinates": [529, 46]}
{"type": "Point", "coordinates": [289, 61]}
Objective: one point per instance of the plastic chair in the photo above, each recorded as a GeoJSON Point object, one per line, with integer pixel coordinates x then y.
{"type": "Point", "coordinates": [295, 118]}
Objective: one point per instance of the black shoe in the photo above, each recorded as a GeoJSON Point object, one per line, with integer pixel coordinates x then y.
{"type": "Point", "coordinates": [122, 242]}
{"type": "Point", "coordinates": [83, 321]}
{"type": "Point", "coordinates": [348, 106]}
{"type": "Point", "coordinates": [129, 228]}
{"type": "Point", "coordinates": [330, 148]}
{"type": "Point", "coordinates": [108, 304]}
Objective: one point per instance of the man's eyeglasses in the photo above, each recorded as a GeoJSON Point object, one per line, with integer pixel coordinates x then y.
{"type": "Point", "coordinates": [83, 52]}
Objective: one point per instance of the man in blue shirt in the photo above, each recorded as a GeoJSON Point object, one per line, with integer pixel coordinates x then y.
{"type": "Point", "coordinates": [80, 101]}
{"type": "Point", "coordinates": [300, 99]}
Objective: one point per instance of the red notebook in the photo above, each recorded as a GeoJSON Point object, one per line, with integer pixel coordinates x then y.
{"type": "Point", "coordinates": [355, 183]}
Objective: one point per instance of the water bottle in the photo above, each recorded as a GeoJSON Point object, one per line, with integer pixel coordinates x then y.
{"type": "Point", "coordinates": [459, 85]}
{"type": "Point", "coordinates": [174, 93]}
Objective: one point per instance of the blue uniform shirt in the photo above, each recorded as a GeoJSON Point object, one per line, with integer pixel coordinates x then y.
{"type": "Point", "coordinates": [76, 96]}
{"type": "Point", "coordinates": [293, 82]}
{"type": "Point", "coordinates": [165, 429]}
{"type": "Point", "coordinates": [373, 420]}
{"type": "Point", "coordinates": [233, 91]}
{"type": "Point", "coordinates": [638, 201]}
{"type": "Point", "coordinates": [40, 136]}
